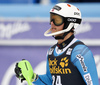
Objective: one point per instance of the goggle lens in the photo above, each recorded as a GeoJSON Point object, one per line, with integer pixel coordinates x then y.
{"type": "Point", "coordinates": [57, 20]}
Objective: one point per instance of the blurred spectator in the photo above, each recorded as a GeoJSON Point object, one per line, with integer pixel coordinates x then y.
{"type": "Point", "coordinates": [45, 1]}
{"type": "Point", "coordinates": [57, 1]}
{"type": "Point", "coordinates": [36, 1]}
{"type": "Point", "coordinates": [52, 1]}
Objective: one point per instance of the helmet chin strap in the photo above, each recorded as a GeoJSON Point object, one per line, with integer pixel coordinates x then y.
{"type": "Point", "coordinates": [47, 33]}
{"type": "Point", "coordinates": [61, 37]}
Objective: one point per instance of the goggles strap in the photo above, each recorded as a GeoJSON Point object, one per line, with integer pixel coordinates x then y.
{"type": "Point", "coordinates": [66, 24]}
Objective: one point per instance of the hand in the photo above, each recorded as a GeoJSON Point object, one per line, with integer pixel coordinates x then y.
{"type": "Point", "coordinates": [19, 73]}
{"type": "Point", "coordinates": [24, 71]}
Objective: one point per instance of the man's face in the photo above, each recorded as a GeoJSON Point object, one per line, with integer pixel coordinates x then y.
{"type": "Point", "coordinates": [56, 22]}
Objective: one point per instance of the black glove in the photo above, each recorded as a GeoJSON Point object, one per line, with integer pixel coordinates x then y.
{"type": "Point", "coordinates": [19, 73]}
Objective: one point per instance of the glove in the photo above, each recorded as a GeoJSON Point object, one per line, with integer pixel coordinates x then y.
{"type": "Point", "coordinates": [24, 71]}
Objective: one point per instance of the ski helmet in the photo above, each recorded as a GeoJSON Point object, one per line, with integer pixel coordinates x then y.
{"type": "Point", "coordinates": [70, 14]}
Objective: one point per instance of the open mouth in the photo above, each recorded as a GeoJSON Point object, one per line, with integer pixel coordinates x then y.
{"type": "Point", "coordinates": [53, 29]}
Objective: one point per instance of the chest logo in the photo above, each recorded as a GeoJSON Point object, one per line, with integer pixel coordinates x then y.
{"type": "Point", "coordinates": [64, 62]}
{"type": "Point", "coordinates": [59, 67]}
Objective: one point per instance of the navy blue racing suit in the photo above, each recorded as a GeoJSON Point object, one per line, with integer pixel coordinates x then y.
{"type": "Point", "coordinates": [69, 63]}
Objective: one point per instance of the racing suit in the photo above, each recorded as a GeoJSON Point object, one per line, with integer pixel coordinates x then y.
{"type": "Point", "coordinates": [69, 63]}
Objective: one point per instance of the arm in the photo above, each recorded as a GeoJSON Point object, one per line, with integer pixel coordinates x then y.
{"type": "Point", "coordinates": [83, 59]}
{"type": "Point", "coordinates": [24, 71]}
{"type": "Point", "coordinates": [44, 79]}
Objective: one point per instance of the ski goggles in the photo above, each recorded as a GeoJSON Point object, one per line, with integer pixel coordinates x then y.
{"type": "Point", "coordinates": [56, 19]}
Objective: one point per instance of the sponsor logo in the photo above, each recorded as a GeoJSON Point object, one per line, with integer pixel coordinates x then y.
{"type": "Point", "coordinates": [64, 44]}
{"type": "Point", "coordinates": [69, 51]}
{"type": "Point", "coordinates": [76, 13]}
{"type": "Point", "coordinates": [50, 51]}
{"type": "Point", "coordinates": [81, 59]}
{"type": "Point", "coordinates": [88, 79]}
{"type": "Point", "coordinates": [11, 29]}
{"type": "Point", "coordinates": [59, 68]}
{"type": "Point", "coordinates": [57, 8]}
{"type": "Point", "coordinates": [71, 20]}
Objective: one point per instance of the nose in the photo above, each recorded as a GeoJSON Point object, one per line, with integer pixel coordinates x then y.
{"type": "Point", "coordinates": [51, 23]}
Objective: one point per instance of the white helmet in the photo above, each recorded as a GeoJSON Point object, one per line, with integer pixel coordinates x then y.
{"type": "Point", "coordinates": [71, 14]}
